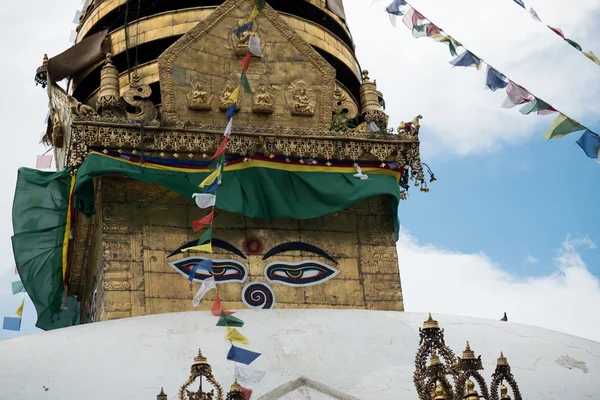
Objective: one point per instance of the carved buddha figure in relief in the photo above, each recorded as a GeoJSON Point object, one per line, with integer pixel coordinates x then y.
{"type": "Point", "coordinates": [200, 98]}
{"type": "Point", "coordinates": [303, 105]}
{"type": "Point", "coordinates": [262, 101]}
{"type": "Point", "coordinates": [301, 98]}
{"type": "Point", "coordinates": [225, 98]}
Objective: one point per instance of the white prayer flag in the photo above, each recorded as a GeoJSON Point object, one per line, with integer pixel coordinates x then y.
{"type": "Point", "coordinates": [204, 200]}
{"type": "Point", "coordinates": [44, 161]}
{"type": "Point", "coordinates": [254, 46]}
{"type": "Point", "coordinates": [228, 128]}
{"type": "Point", "coordinates": [207, 285]}
{"type": "Point", "coordinates": [373, 126]}
{"type": "Point", "coordinates": [359, 174]}
{"type": "Point", "coordinates": [534, 15]}
{"type": "Point", "coordinates": [249, 376]}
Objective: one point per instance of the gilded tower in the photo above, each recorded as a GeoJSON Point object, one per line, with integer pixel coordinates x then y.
{"type": "Point", "coordinates": [307, 201]}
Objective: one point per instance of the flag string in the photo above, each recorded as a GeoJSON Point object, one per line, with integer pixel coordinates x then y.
{"type": "Point", "coordinates": [516, 94]}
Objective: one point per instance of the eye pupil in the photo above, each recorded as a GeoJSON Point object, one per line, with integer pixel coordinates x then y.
{"type": "Point", "coordinates": [294, 273]}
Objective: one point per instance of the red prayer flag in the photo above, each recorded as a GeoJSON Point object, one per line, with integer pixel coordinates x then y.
{"type": "Point", "coordinates": [221, 148]}
{"type": "Point", "coordinates": [202, 222]}
{"type": "Point", "coordinates": [557, 31]}
{"type": "Point", "coordinates": [217, 307]}
{"type": "Point", "coordinates": [16, 271]}
{"type": "Point", "coordinates": [247, 392]}
{"type": "Point", "coordinates": [246, 61]}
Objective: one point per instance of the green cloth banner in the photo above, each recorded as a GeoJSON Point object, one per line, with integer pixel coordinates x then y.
{"type": "Point", "coordinates": [39, 222]}
{"type": "Point", "coordinates": [261, 192]}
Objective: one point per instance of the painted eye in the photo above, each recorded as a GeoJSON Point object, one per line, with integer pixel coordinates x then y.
{"type": "Point", "coordinates": [223, 270]}
{"type": "Point", "coordinates": [303, 273]}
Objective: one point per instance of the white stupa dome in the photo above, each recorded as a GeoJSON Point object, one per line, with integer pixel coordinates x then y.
{"type": "Point", "coordinates": [308, 354]}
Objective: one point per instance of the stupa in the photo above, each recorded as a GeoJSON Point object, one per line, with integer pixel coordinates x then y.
{"type": "Point", "coordinates": [236, 144]}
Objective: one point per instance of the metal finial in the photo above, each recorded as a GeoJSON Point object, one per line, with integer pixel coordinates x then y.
{"type": "Point", "coordinates": [502, 360]}
{"type": "Point", "coordinates": [430, 323]}
{"type": "Point", "coordinates": [435, 359]}
{"type": "Point", "coordinates": [468, 354]}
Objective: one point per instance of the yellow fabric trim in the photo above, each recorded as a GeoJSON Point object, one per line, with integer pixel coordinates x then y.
{"type": "Point", "coordinates": [211, 178]}
{"type": "Point", "coordinates": [205, 247]}
{"type": "Point", "coordinates": [65, 249]}
{"type": "Point", "coordinates": [268, 164]}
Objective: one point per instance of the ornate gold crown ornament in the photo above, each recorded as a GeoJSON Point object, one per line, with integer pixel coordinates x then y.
{"type": "Point", "coordinates": [448, 377]}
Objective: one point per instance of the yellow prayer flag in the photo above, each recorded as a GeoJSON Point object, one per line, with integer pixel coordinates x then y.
{"type": "Point", "coordinates": [590, 54]}
{"type": "Point", "coordinates": [253, 15]}
{"type": "Point", "coordinates": [20, 309]}
{"type": "Point", "coordinates": [235, 336]}
{"type": "Point", "coordinates": [211, 178]}
{"type": "Point", "coordinates": [234, 96]}
{"type": "Point", "coordinates": [205, 247]}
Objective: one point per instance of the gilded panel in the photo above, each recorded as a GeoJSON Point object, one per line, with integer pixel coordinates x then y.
{"type": "Point", "coordinates": [382, 287]}
{"type": "Point", "coordinates": [378, 259]}
{"type": "Point", "coordinates": [336, 292]}
{"type": "Point", "coordinates": [168, 286]}
{"type": "Point", "coordinates": [376, 230]}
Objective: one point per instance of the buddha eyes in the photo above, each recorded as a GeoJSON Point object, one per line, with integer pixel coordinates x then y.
{"type": "Point", "coordinates": [303, 273]}
{"type": "Point", "coordinates": [223, 270]}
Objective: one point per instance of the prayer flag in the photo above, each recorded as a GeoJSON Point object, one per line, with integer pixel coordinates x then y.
{"type": "Point", "coordinates": [44, 161]}
{"type": "Point", "coordinates": [538, 105]}
{"type": "Point", "coordinates": [245, 83]}
{"type": "Point", "coordinates": [534, 15]}
{"type": "Point", "coordinates": [249, 376]}
{"type": "Point", "coordinates": [426, 30]}
{"type": "Point", "coordinates": [218, 307]}
{"type": "Point", "coordinates": [230, 112]}
{"type": "Point", "coordinates": [212, 188]}
{"type": "Point", "coordinates": [228, 129]}
{"type": "Point", "coordinates": [17, 287]}
{"type": "Point", "coordinates": [236, 93]}
{"type": "Point", "coordinates": [206, 286]}
{"type": "Point", "coordinates": [373, 126]}
{"type": "Point", "coordinates": [11, 324]}
{"type": "Point", "coordinates": [515, 95]}
{"type": "Point", "coordinates": [260, 4]}
{"type": "Point", "coordinates": [574, 44]}
{"type": "Point", "coordinates": [495, 80]}
{"type": "Point", "coordinates": [466, 59]}
{"type": "Point", "coordinates": [229, 320]}
{"type": "Point", "coordinates": [589, 143]}
{"type": "Point", "coordinates": [235, 336]}
{"type": "Point", "coordinates": [202, 222]}
{"type": "Point", "coordinates": [203, 244]}
{"type": "Point", "coordinates": [16, 271]}
{"type": "Point", "coordinates": [205, 200]}
{"type": "Point", "coordinates": [221, 148]}
{"type": "Point", "coordinates": [449, 40]}
{"type": "Point", "coordinates": [520, 2]}
{"type": "Point", "coordinates": [590, 54]}
{"type": "Point", "coordinates": [211, 178]}
{"type": "Point", "coordinates": [557, 31]}
{"type": "Point", "coordinates": [240, 355]}
{"type": "Point", "coordinates": [205, 265]}
{"type": "Point", "coordinates": [412, 18]}
{"type": "Point", "coordinates": [240, 30]}
{"type": "Point", "coordinates": [247, 393]}
{"type": "Point", "coordinates": [561, 127]}
{"type": "Point", "coordinates": [246, 61]}
{"type": "Point", "coordinates": [253, 14]}
{"type": "Point", "coordinates": [254, 46]}
{"type": "Point", "coordinates": [207, 248]}
{"type": "Point", "coordinates": [19, 311]}
{"type": "Point", "coordinates": [394, 7]}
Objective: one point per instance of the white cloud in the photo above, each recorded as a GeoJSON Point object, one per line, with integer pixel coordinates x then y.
{"type": "Point", "coordinates": [531, 259]}
{"type": "Point", "coordinates": [442, 281]}
{"type": "Point", "coordinates": [460, 117]}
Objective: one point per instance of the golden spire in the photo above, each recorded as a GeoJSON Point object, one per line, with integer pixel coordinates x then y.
{"type": "Point", "coordinates": [502, 360]}
{"type": "Point", "coordinates": [200, 359]}
{"type": "Point", "coordinates": [431, 323]}
{"type": "Point", "coordinates": [468, 354]}
{"type": "Point", "coordinates": [235, 386]}
{"type": "Point", "coordinates": [162, 395]}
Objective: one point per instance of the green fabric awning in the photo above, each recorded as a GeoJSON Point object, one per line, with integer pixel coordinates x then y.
{"type": "Point", "coordinates": [39, 222]}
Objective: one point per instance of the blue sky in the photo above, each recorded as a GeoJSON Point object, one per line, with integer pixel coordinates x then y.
{"type": "Point", "coordinates": [503, 194]}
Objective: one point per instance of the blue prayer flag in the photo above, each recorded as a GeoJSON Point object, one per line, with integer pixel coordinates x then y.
{"type": "Point", "coordinates": [212, 188]}
{"type": "Point", "coordinates": [520, 2]}
{"type": "Point", "coordinates": [206, 265]}
{"type": "Point", "coordinates": [12, 324]}
{"type": "Point", "coordinates": [466, 59]}
{"type": "Point", "coordinates": [495, 80]}
{"type": "Point", "coordinates": [240, 355]}
{"type": "Point", "coordinates": [238, 31]}
{"type": "Point", "coordinates": [394, 7]}
{"type": "Point", "coordinates": [230, 112]}
{"type": "Point", "coordinates": [589, 143]}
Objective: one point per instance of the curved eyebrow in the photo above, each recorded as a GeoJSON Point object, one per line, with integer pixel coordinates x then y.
{"type": "Point", "coordinates": [218, 243]}
{"type": "Point", "coordinates": [298, 246]}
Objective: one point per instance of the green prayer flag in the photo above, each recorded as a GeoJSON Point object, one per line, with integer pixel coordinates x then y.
{"type": "Point", "coordinates": [574, 44]}
{"type": "Point", "coordinates": [245, 83]}
{"type": "Point", "coordinates": [17, 287]}
{"type": "Point", "coordinates": [260, 4]}
{"type": "Point", "coordinates": [561, 127]}
{"type": "Point", "coordinates": [206, 237]}
{"type": "Point", "coordinates": [229, 320]}
{"type": "Point", "coordinates": [535, 105]}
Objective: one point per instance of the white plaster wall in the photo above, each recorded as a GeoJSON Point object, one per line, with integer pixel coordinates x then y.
{"type": "Point", "coordinates": [366, 354]}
